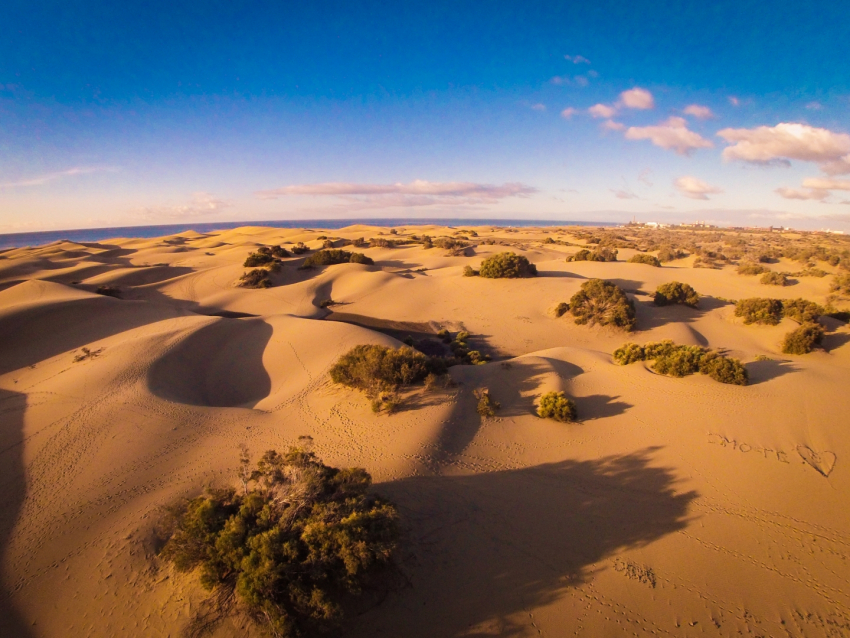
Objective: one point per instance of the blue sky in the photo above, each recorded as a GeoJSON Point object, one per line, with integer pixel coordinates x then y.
{"type": "Point", "coordinates": [135, 113]}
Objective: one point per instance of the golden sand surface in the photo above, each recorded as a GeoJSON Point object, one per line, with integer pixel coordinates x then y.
{"type": "Point", "coordinates": [673, 507]}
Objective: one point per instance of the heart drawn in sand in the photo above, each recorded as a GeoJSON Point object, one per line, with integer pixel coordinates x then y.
{"type": "Point", "coordinates": [823, 462]}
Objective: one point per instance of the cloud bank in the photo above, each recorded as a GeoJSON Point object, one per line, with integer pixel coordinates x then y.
{"type": "Point", "coordinates": [695, 188]}
{"type": "Point", "coordinates": [673, 134]}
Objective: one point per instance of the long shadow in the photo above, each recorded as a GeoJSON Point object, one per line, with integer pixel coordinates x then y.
{"type": "Point", "coordinates": [483, 550]}
{"type": "Point", "coordinates": [835, 340]}
{"type": "Point", "coordinates": [761, 371]}
{"type": "Point", "coordinates": [599, 406]}
{"type": "Point", "coordinates": [220, 365]}
{"type": "Point", "coordinates": [12, 493]}
{"type": "Point", "coordinates": [41, 332]}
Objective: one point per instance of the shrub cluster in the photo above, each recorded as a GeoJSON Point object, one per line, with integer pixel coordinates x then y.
{"type": "Point", "coordinates": [507, 266]}
{"type": "Point", "coordinates": [600, 254]}
{"type": "Point", "coordinates": [556, 405]}
{"type": "Point", "coordinates": [288, 548]}
{"type": "Point", "coordinates": [380, 371]}
{"type": "Point", "coordinates": [381, 242]}
{"type": "Point", "coordinates": [461, 352]}
{"type": "Point", "coordinates": [841, 284]}
{"type": "Point", "coordinates": [668, 253]}
{"type": "Point", "coordinates": [773, 278]}
{"type": "Point", "coordinates": [327, 257]}
{"type": "Point", "coordinates": [680, 361]}
{"type": "Point", "coordinates": [257, 278]}
{"type": "Point", "coordinates": [643, 258]}
{"type": "Point", "coordinates": [803, 339]}
{"type": "Point", "coordinates": [604, 303]}
{"type": "Point", "coordinates": [751, 268]}
{"type": "Point", "coordinates": [450, 243]}
{"type": "Point", "coordinates": [300, 248]}
{"type": "Point", "coordinates": [771, 311]}
{"type": "Point", "coordinates": [675, 292]}
{"type": "Point", "coordinates": [259, 259]}
{"type": "Point", "coordinates": [487, 405]}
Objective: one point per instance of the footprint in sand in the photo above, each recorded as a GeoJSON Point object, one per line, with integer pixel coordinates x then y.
{"type": "Point", "coordinates": [823, 462]}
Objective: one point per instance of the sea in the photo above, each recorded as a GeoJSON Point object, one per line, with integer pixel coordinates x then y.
{"type": "Point", "coordinates": [21, 240]}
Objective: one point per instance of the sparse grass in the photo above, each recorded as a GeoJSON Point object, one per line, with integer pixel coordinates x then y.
{"type": "Point", "coordinates": [87, 353]}
{"type": "Point", "coordinates": [557, 406]}
{"type": "Point", "coordinates": [604, 303]}
{"type": "Point", "coordinates": [507, 266]}
{"type": "Point", "coordinates": [288, 548]}
{"type": "Point", "coordinates": [675, 292]}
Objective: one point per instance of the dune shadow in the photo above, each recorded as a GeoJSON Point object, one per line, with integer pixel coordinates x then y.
{"type": "Point", "coordinates": [835, 340]}
{"type": "Point", "coordinates": [767, 369]}
{"type": "Point", "coordinates": [561, 274]}
{"type": "Point", "coordinates": [12, 494]}
{"type": "Point", "coordinates": [220, 365]}
{"type": "Point", "coordinates": [481, 551]}
{"type": "Point", "coordinates": [599, 406]}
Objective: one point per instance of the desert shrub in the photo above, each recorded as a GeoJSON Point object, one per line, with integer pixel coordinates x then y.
{"type": "Point", "coordinates": [803, 339]}
{"type": "Point", "coordinates": [380, 242]}
{"type": "Point", "coordinates": [469, 271]}
{"type": "Point", "coordinates": [556, 405]}
{"type": "Point", "coordinates": [751, 268]}
{"type": "Point", "coordinates": [774, 279]}
{"type": "Point", "coordinates": [629, 353]}
{"type": "Point", "coordinates": [279, 252]}
{"type": "Point", "coordinates": [364, 366]}
{"type": "Point", "coordinates": [108, 291]}
{"type": "Point", "coordinates": [426, 242]}
{"type": "Point", "coordinates": [286, 549]}
{"type": "Point", "coordinates": [461, 352]}
{"type": "Point", "coordinates": [327, 258]}
{"type": "Point", "coordinates": [801, 310]}
{"type": "Point", "coordinates": [680, 361]}
{"type": "Point", "coordinates": [327, 303]}
{"type": "Point", "coordinates": [604, 303]}
{"type": "Point", "coordinates": [360, 258]}
{"type": "Point", "coordinates": [600, 254]}
{"type": "Point", "coordinates": [360, 242]}
{"type": "Point", "coordinates": [450, 243]}
{"type": "Point", "coordinates": [507, 266]}
{"type": "Point", "coordinates": [328, 243]}
{"type": "Point", "coordinates": [561, 309]}
{"type": "Point", "coordinates": [668, 253]}
{"type": "Point", "coordinates": [643, 258]}
{"type": "Point", "coordinates": [759, 310]}
{"type": "Point", "coordinates": [810, 272]}
{"type": "Point", "coordinates": [300, 248]}
{"type": "Point", "coordinates": [487, 405]}
{"type": "Point", "coordinates": [841, 284]}
{"type": "Point", "coordinates": [675, 292]}
{"type": "Point", "coordinates": [444, 335]}
{"type": "Point", "coordinates": [257, 278]}
{"type": "Point", "coordinates": [258, 259]}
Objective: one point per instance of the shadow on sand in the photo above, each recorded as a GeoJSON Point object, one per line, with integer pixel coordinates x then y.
{"type": "Point", "coordinates": [12, 493]}
{"type": "Point", "coordinates": [482, 550]}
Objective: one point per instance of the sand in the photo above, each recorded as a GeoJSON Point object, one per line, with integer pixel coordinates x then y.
{"type": "Point", "coordinates": [678, 507]}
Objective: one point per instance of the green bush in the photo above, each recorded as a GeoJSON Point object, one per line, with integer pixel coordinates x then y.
{"type": "Point", "coordinates": [279, 252]}
{"type": "Point", "coordinates": [600, 254]}
{"type": "Point", "coordinates": [803, 339]}
{"type": "Point", "coordinates": [629, 353]}
{"type": "Point", "coordinates": [675, 292]}
{"type": "Point", "coordinates": [801, 310]}
{"type": "Point", "coordinates": [751, 268]}
{"type": "Point", "coordinates": [380, 242]}
{"type": "Point", "coordinates": [300, 248]}
{"type": "Point", "coordinates": [556, 405]}
{"type": "Point", "coordinates": [507, 266]}
{"type": "Point", "coordinates": [561, 309]}
{"type": "Point", "coordinates": [450, 243]}
{"type": "Point", "coordinates": [759, 310]}
{"type": "Point", "coordinates": [680, 361]}
{"type": "Point", "coordinates": [258, 259]}
{"type": "Point", "coordinates": [289, 548]}
{"type": "Point", "coordinates": [469, 271]}
{"type": "Point", "coordinates": [364, 366]}
{"type": "Point", "coordinates": [774, 279]}
{"type": "Point", "coordinates": [643, 258]}
{"type": "Point", "coordinates": [604, 303]}
{"type": "Point", "coordinates": [360, 258]}
{"type": "Point", "coordinates": [335, 256]}
{"type": "Point", "coordinates": [257, 278]}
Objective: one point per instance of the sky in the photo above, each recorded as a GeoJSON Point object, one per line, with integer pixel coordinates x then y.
{"type": "Point", "coordinates": [133, 113]}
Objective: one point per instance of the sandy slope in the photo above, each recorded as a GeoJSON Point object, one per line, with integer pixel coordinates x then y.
{"type": "Point", "coordinates": [676, 507]}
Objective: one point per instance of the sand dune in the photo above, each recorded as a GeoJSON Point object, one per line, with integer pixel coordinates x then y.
{"type": "Point", "coordinates": [675, 507]}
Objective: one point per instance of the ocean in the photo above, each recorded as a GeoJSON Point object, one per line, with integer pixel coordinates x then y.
{"type": "Point", "coordinates": [19, 240]}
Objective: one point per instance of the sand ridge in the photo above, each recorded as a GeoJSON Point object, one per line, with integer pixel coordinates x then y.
{"type": "Point", "coordinates": [673, 507]}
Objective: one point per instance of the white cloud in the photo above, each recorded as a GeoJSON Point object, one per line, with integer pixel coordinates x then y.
{"type": "Point", "coordinates": [695, 188]}
{"type": "Point", "coordinates": [701, 112]}
{"type": "Point", "coordinates": [568, 112]}
{"type": "Point", "coordinates": [602, 110]}
{"type": "Point", "coordinates": [637, 98]}
{"type": "Point", "coordinates": [672, 134]}
{"type": "Point", "coordinates": [577, 59]}
{"type": "Point", "coordinates": [793, 193]}
{"type": "Point", "coordinates": [51, 177]}
{"type": "Point", "coordinates": [814, 106]}
{"type": "Point", "coordinates": [416, 193]}
{"type": "Point", "coordinates": [734, 101]}
{"type": "Point", "coordinates": [611, 125]}
{"type": "Point", "coordinates": [538, 107]}
{"type": "Point", "coordinates": [822, 183]}
{"type": "Point", "coordinates": [787, 141]}
{"type": "Point", "coordinates": [201, 205]}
